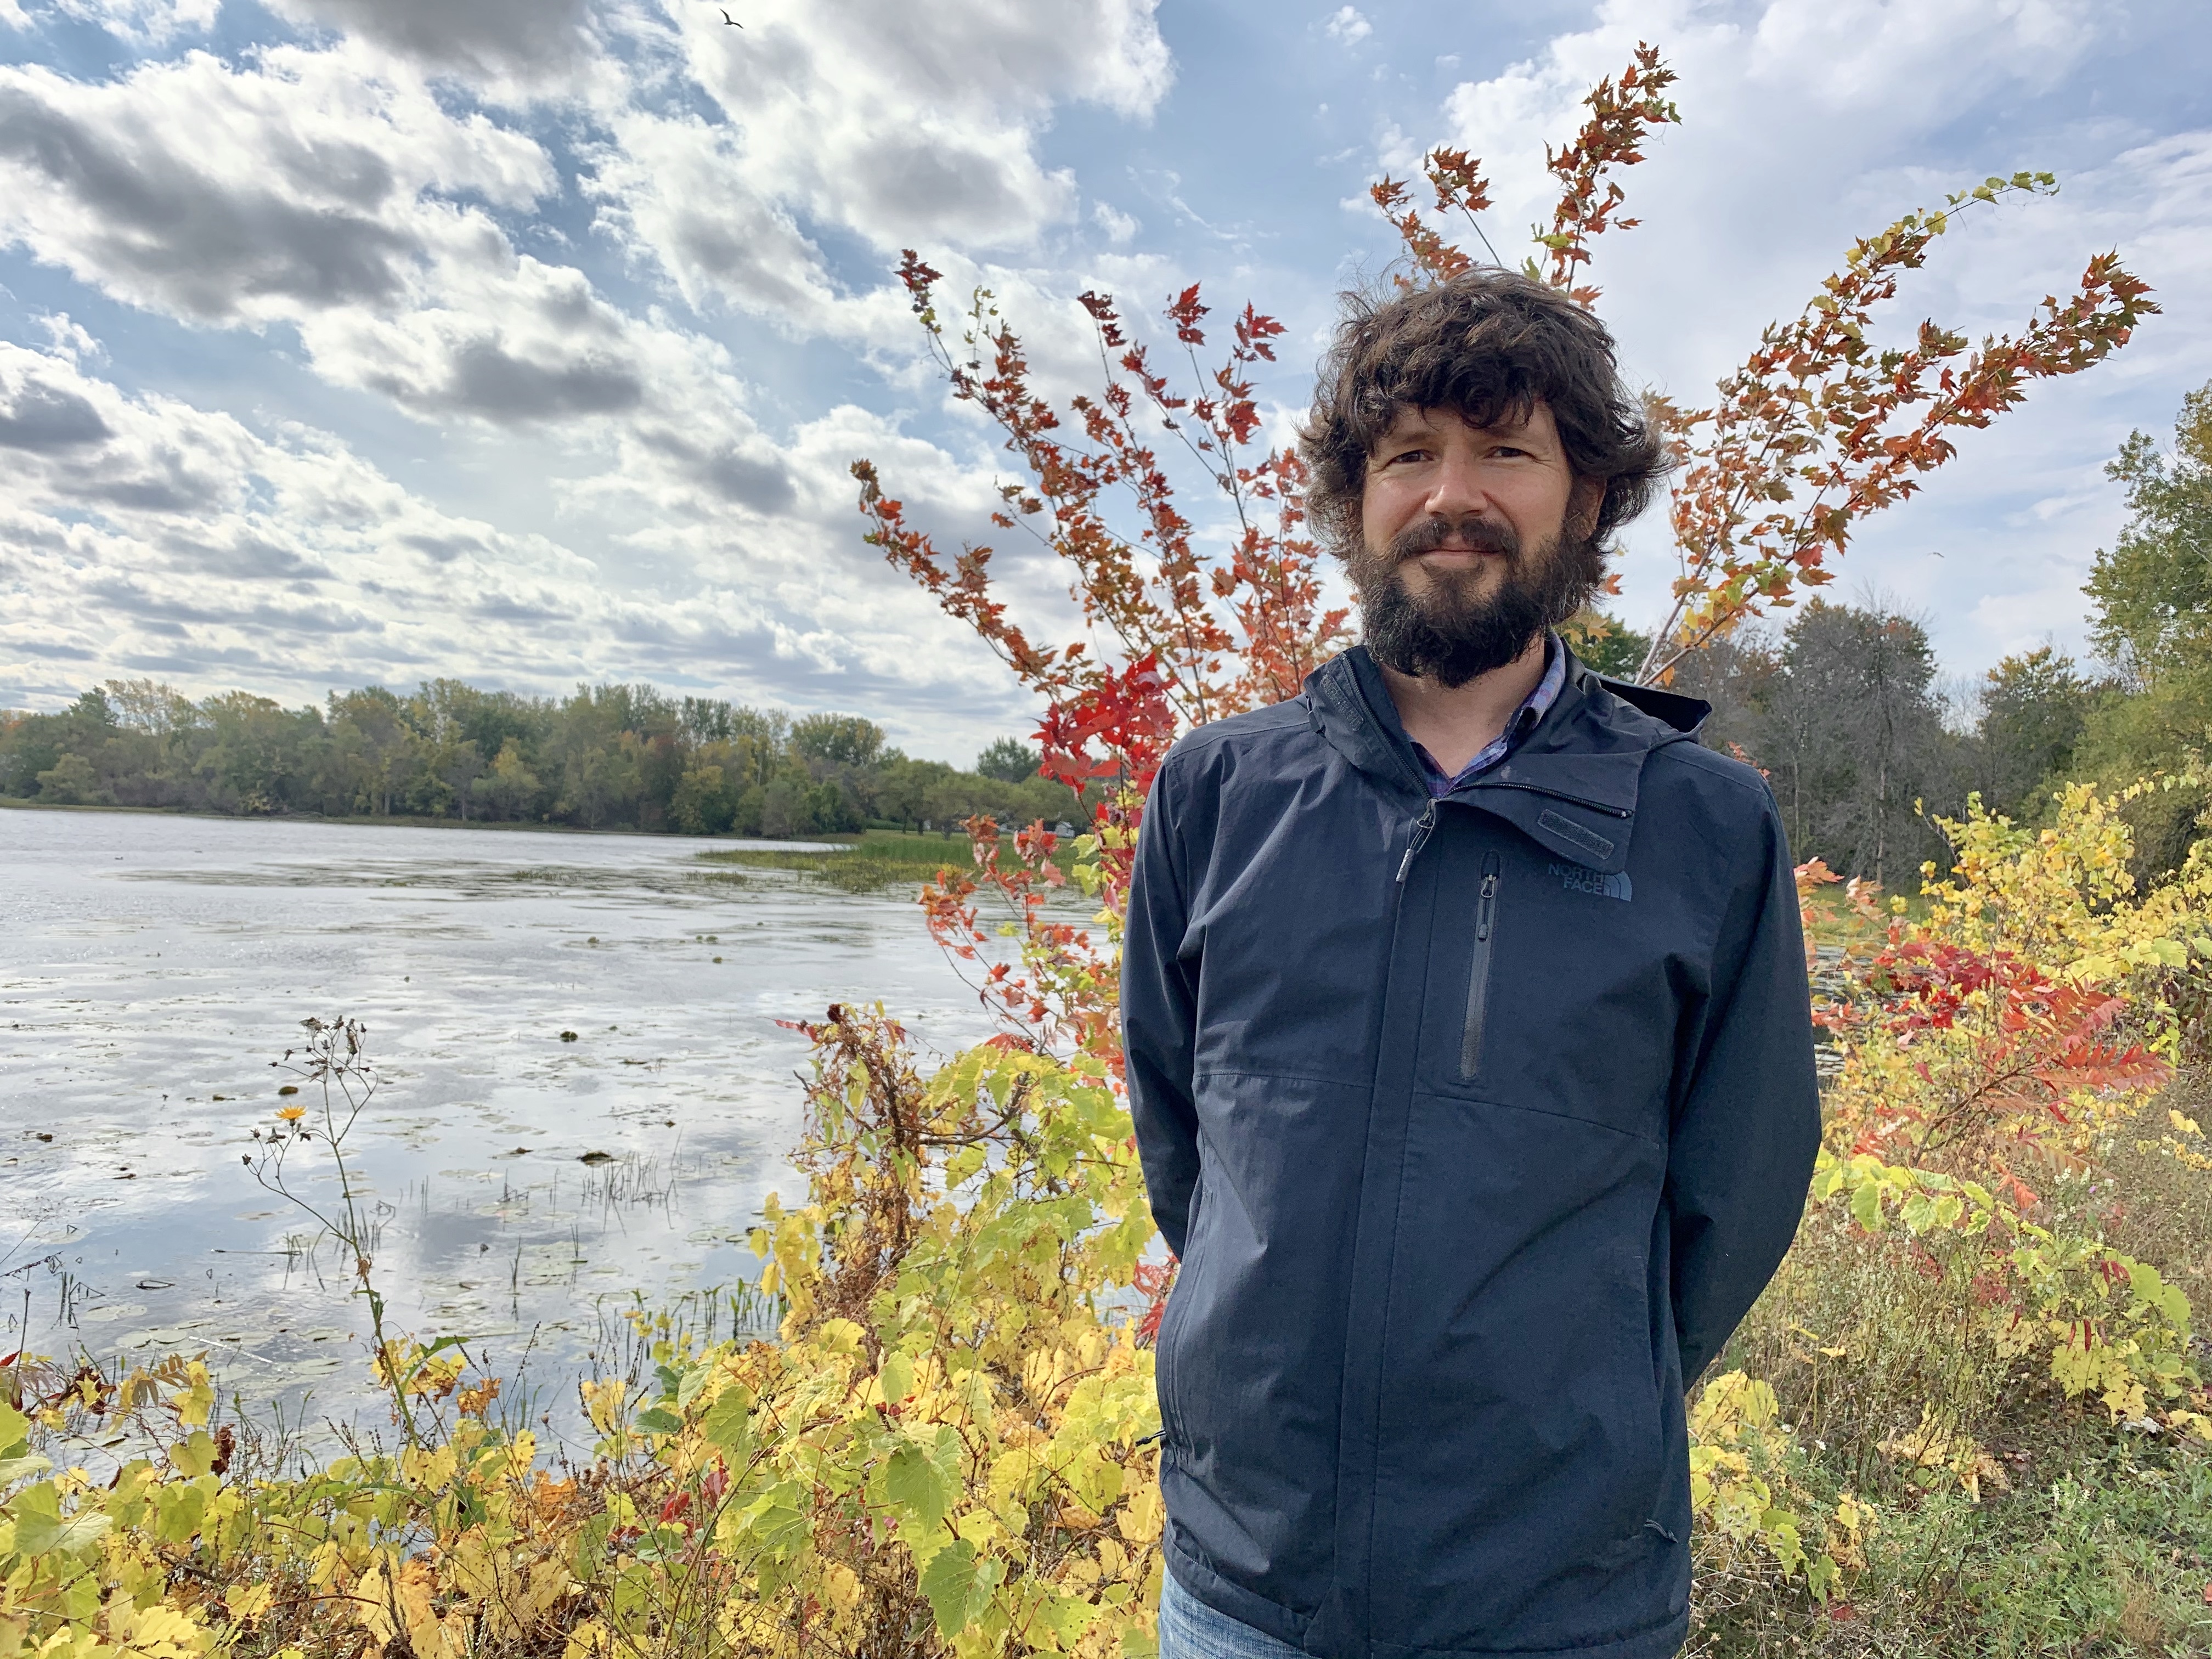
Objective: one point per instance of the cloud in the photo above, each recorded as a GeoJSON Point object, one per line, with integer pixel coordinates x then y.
{"type": "Point", "coordinates": [525, 38]}
{"type": "Point", "coordinates": [1346, 27]}
{"type": "Point", "coordinates": [130, 520]}
{"type": "Point", "coordinates": [1118, 227]}
{"type": "Point", "coordinates": [927, 136]}
{"type": "Point", "coordinates": [38, 416]}
{"type": "Point", "coordinates": [140, 22]}
{"type": "Point", "coordinates": [326, 195]}
{"type": "Point", "coordinates": [308, 183]}
{"type": "Point", "coordinates": [677, 190]}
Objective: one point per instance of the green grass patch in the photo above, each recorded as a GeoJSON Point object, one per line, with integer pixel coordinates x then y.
{"type": "Point", "coordinates": [868, 863]}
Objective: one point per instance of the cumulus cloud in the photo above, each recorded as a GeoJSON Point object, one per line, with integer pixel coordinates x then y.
{"type": "Point", "coordinates": [325, 195]}
{"type": "Point", "coordinates": [137, 528]}
{"type": "Point", "coordinates": [927, 135]}
{"type": "Point", "coordinates": [475, 38]}
{"type": "Point", "coordinates": [307, 183]}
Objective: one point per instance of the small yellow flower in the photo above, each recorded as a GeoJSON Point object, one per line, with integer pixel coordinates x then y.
{"type": "Point", "coordinates": [291, 1113]}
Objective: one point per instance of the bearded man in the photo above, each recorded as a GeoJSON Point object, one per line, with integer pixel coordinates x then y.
{"type": "Point", "coordinates": [1468, 1044]}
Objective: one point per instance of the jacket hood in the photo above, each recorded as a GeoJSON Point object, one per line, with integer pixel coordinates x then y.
{"type": "Point", "coordinates": [1571, 785]}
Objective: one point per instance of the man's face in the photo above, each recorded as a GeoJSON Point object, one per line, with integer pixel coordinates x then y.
{"type": "Point", "coordinates": [1466, 551]}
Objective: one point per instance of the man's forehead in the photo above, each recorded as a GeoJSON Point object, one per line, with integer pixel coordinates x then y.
{"type": "Point", "coordinates": [1534, 415]}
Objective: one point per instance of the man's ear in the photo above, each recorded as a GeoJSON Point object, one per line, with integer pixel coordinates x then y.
{"type": "Point", "coordinates": [1584, 502]}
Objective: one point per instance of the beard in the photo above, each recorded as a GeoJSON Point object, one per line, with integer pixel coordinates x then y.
{"type": "Point", "coordinates": [1452, 632]}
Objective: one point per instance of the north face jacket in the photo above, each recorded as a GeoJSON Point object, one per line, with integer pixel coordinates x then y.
{"type": "Point", "coordinates": [1478, 1124]}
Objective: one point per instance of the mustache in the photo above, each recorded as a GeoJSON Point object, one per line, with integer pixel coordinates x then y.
{"type": "Point", "coordinates": [1430, 534]}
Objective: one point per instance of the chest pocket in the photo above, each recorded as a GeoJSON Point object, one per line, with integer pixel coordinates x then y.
{"type": "Point", "coordinates": [1559, 988]}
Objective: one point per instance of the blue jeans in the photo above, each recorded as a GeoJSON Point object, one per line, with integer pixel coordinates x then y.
{"type": "Point", "coordinates": [1191, 1630]}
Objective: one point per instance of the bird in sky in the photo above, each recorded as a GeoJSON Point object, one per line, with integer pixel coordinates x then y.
{"type": "Point", "coordinates": [732, 21]}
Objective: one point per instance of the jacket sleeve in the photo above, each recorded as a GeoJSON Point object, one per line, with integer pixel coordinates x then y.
{"type": "Point", "coordinates": [1160, 1012]}
{"type": "Point", "coordinates": [1747, 1127]}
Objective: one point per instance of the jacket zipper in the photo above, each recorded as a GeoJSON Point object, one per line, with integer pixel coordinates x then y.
{"type": "Point", "coordinates": [1478, 982]}
{"type": "Point", "coordinates": [1422, 825]}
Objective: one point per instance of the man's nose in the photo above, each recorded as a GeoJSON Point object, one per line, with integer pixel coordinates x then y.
{"type": "Point", "coordinates": [1456, 490]}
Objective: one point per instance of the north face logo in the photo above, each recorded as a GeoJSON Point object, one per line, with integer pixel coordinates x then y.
{"type": "Point", "coordinates": [1577, 878]}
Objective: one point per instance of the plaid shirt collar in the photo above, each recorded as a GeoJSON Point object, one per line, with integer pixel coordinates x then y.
{"type": "Point", "coordinates": [1533, 708]}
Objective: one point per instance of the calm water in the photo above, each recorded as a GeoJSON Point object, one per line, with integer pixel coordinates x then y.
{"type": "Point", "coordinates": [151, 967]}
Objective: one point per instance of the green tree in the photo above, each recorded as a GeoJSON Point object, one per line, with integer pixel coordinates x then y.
{"type": "Point", "coordinates": [786, 807]}
{"type": "Point", "coordinates": [2151, 594]}
{"type": "Point", "coordinates": [256, 757]}
{"type": "Point", "coordinates": [1009, 760]}
{"type": "Point", "coordinates": [2033, 710]}
{"type": "Point", "coordinates": [509, 789]}
{"type": "Point", "coordinates": [70, 781]}
{"type": "Point", "coordinates": [837, 740]}
{"type": "Point", "coordinates": [2153, 588]}
{"type": "Point", "coordinates": [29, 744]}
{"type": "Point", "coordinates": [705, 803]}
{"type": "Point", "coordinates": [372, 753]}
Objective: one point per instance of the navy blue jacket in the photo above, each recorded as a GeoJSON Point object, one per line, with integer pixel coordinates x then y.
{"type": "Point", "coordinates": [1478, 1125]}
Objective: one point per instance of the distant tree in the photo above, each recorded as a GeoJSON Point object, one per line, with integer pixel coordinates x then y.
{"type": "Point", "coordinates": [2033, 707]}
{"type": "Point", "coordinates": [1739, 675]}
{"type": "Point", "coordinates": [70, 781]}
{"type": "Point", "coordinates": [29, 744]}
{"type": "Point", "coordinates": [706, 719]}
{"type": "Point", "coordinates": [257, 753]}
{"type": "Point", "coordinates": [706, 802]}
{"type": "Point", "coordinates": [1853, 739]}
{"type": "Point", "coordinates": [373, 748]}
{"type": "Point", "coordinates": [784, 807]}
{"type": "Point", "coordinates": [509, 789]}
{"type": "Point", "coordinates": [834, 740]}
{"type": "Point", "coordinates": [1010, 760]}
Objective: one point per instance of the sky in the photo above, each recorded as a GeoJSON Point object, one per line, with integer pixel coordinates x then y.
{"type": "Point", "coordinates": [531, 342]}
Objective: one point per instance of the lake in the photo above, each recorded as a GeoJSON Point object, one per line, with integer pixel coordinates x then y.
{"type": "Point", "coordinates": [151, 967]}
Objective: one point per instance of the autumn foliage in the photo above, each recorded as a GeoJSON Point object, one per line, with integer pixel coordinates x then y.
{"type": "Point", "coordinates": [950, 1446]}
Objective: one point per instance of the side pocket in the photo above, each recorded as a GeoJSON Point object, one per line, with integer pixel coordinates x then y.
{"type": "Point", "coordinates": [1632, 1526]}
{"type": "Point", "coordinates": [1164, 1365]}
{"type": "Point", "coordinates": [1641, 1403]}
{"type": "Point", "coordinates": [1478, 980]}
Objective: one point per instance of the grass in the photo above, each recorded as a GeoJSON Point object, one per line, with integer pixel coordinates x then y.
{"type": "Point", "coordinates": [2108, 1551]}
{"type": "Point", "coordinates": [879, 859]}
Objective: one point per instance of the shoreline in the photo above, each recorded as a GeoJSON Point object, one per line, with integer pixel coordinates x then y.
{"type": "Point", "coordinates": [19, 804]}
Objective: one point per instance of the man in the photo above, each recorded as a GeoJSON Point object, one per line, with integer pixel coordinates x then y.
{"type": "Point", "coordinates": [1468, 1045]}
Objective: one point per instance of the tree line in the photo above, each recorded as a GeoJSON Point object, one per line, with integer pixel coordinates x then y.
{"type": "Point", "coordinates": [609, 757]}
{"type": "Point", "coordinates": [1845, 709]}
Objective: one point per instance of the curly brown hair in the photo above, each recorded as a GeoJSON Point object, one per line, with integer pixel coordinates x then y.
{"type": "Point", "coordinates": [1490, 344]}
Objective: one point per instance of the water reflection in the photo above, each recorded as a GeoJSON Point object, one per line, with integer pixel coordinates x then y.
{"type": "Point", "coordinates": [151, 967]}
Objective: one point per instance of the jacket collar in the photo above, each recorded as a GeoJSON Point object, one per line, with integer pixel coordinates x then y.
{"type": "Point", "coordinates": [1571, 785]}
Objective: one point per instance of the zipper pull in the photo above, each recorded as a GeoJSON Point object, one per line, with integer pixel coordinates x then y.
{"type": "Point", "coordinates": [1422, 825]}
{"type": "Point", "coordinates": [1485, 910]}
